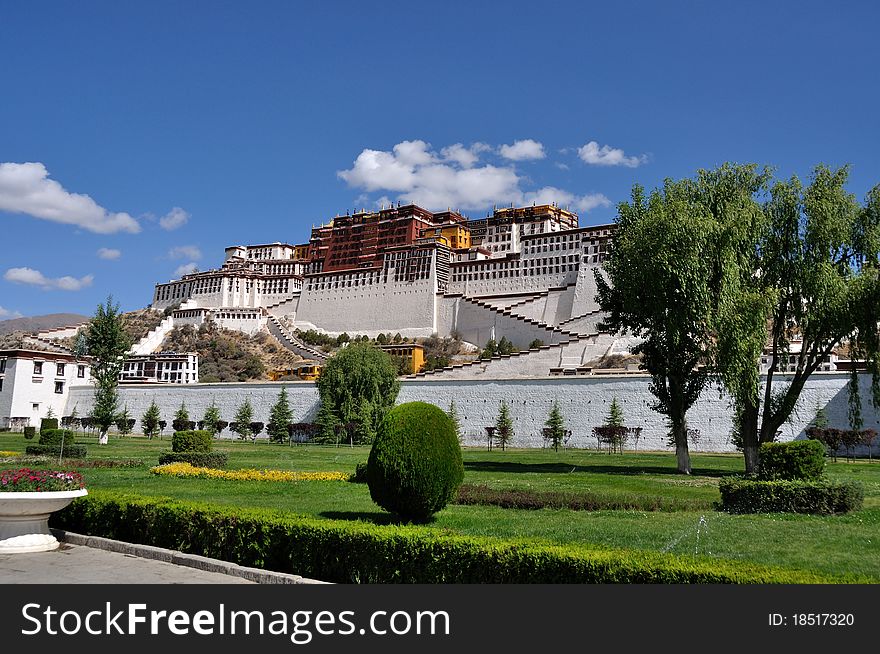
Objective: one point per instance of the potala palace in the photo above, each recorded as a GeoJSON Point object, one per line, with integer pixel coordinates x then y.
{"type": "Point", "coordinates": [522, 273]}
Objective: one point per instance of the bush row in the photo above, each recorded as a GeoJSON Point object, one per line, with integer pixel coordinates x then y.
{"type": "Point", "coordinates": [824, 497]}
{"type": "Point", "coordinates": [68, 451]}
{"type": "Point", "coordinates": [359, 552]}
{"type": "Point", "coordinates": [198, 459]}
{"type": "Point", "coordinates": [526, 499]}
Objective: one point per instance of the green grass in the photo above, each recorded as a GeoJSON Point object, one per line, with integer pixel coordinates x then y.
{"type": "Point", "coordinates": [838, 545]}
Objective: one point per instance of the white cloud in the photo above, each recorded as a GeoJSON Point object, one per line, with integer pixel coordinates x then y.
{"type": "Point", "coordinates": [465, 157]}
{"type": "Point", "coordinates": [416, 174]}
{"type": "Point", "coordinates": [26, 188]}
{"type": "Point", "coordinates": [605, 155]}
{"type": "Point", "coordinates": [185, 252]}
{"type": "Point", "coordinates": [560, 165]}
{"type": "Point", "coordinates": [186, 269]}
{"type": "Point", "coordinates": [6, 314]}
{"type": "Point", "coordinates": [524, 150]}
{"type": "Point", "coordinates": [175, 218]}
{"type": "Point", "coordinates": [33, 277]}
{"type": "Point", "coordinates": [110, 254]}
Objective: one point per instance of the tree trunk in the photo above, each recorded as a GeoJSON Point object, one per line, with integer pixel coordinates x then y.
{"type": "Point", "coordinates": [102, 439]}
{"type": "Point", "coordinates": [682, 454]}
{"type": "Point", "coordinates": [749, 435]}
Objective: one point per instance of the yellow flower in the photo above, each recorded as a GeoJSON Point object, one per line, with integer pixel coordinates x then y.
{"type": "Point", "coordinates": [8, 453]}
{"type": "Point", "coordinates": [247, 474]}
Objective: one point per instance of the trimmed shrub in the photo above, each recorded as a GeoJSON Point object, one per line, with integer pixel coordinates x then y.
{"type": "Point", "coordinates": [360, 474]}
{"type": "Point", "coordinates": [415, 465]}
{"type": "Point", "coordinates": [71, 451]}
{"type": "Point", "coordinates": [197, 459]}
{"type": "Point", "coordinates": [368, 553]}
{"type": "Point", "coordinates": [30, 432]}
{"type": "Point", "coordinates": [191, 441]}
{"type": "Point", "coordinates": [56, 438]}
{"type": "Point", "coordinates": [518, 498]}
{"type": "Point", "coordinates": [822, 497]}
{"type": "Point", "coordinates": [792, 460]}
{"type": "Point", "coordinates": [47, 424]}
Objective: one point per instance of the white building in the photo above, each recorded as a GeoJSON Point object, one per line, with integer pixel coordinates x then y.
{"type": "Point", "coordinates": [32, 382]}
{"type": "Point", "coordinates": [161, 367]}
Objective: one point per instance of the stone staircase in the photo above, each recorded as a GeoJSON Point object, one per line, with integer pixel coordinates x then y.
{"type": "Point", "coordinates": [291, 342]}
{"type": "Point", "coordinates": [535, 362]}
{"type": "Point", "coordinates": [552, 333]}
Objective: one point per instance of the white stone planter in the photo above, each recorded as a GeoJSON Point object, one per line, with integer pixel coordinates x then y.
{"type": "Point", "coordinates": [24, 519]}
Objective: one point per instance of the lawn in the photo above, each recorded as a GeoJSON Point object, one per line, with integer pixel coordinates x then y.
{"type": "Point", "coordinates": [839, 545]}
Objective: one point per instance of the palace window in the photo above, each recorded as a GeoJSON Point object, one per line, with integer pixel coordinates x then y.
{"type": "Point", "coordinates": [59, 387]}
{"type": "Point", "coordinates": [38, 367]}
{"type": "Point", "coordinates": [59, 370]}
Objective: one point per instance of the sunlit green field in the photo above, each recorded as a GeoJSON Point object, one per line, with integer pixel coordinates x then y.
{"type": "Point", "coordinates": [839, 545]}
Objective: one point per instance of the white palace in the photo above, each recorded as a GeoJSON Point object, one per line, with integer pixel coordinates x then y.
{"type": "Point", "coordinates": [522, 273]}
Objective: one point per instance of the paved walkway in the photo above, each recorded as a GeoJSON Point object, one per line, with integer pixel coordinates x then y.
{"type": "Point", "coordinates": [91, 560]}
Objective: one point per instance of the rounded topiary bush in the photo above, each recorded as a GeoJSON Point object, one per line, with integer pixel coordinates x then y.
{"type": "Point", "coordinates": [415, 465]}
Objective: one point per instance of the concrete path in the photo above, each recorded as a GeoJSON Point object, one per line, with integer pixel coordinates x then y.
{"type": "Point", "coordinates": [92, 560]}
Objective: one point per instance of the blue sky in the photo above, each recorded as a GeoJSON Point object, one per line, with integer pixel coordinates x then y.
{"type": "Point", "coordinates": [191, 126]}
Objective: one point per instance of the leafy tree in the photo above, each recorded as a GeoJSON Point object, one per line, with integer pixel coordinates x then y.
{"type": "Point", "coordinates": [490, 350]}
{"type": "Point", "coordinates": [615, 414]}
{"type": "Point", "coordinates": [397, 338]}
{"type": "Point", "coordinates": [106, 342]}
{"type": "Point", "coordinates": [221, 425]}
{"type": "Point", "coordinates": [804, 262]}
{"type": "Point", "coordinates": [381, 339]}
{"type": "Point", "coordinates": [280, 418]}
{"type": "Point", "coordinates": [456, 421]}
{"type": "Point", "coordinates": [124, 422]}
{"type": "Point", "coordinates": [242, 422]}
{"type": "Point", "coordinates": [659, 287]}
{"type": "Point", "coordinates": [256, 429]}
{"type": "Point", "coordinates": [150, 421]}
{"type": "Point", "coordinates": [328, 421]}
{"type": "Point", "coordinates": [821, 419]}
{"type": "Point", "coordinates": [504, 426]}
{"type": "Point", "coordinates": [554, 428]}
{"type": "Point", "coordinates": [342, 339]}
{"type": "Point", "coordinates": [211, 419]}
{"type": "Point", "coordinates": [358, 384]}
{"type": "Point", "coordinates": [536, 344]}
{"type": "Point", "coordinates": [181, 418]}
{"type": "Point", "coordinates": [162, 425]}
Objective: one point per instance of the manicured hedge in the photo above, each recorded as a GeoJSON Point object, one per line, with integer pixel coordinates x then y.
{"type": "Point", "coordinates": [347, 552]}
{"type": "Point", "coordinates": [521, 498]}
{"type": "Point", "coordinates": [48, 423]}
{"type": "Point", "coordinates": [68, 451]}
{"type": "Point", "coordinates": [792, 460]}
{"type": "Point", "coordinates": [191, 441]}
{"type": "Point", "coordinates": [198, 459]}
{"type": "Point", "coordinates": [56, 437]}
{"type": "Point", "coordinates": [30, 432]}
{"type": "Point", "coordinates": [823, 497]}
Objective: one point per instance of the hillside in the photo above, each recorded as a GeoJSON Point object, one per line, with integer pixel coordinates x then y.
{"type": "Point", "coordinates": [30, 324]}
{"type": "Point", "coordinates": [227, 356]}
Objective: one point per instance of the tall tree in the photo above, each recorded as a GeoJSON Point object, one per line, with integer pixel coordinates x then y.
{"type": "Point", "coordinates": [801, 275]}
{"type": "Point", "coordinates": [106, 342]}
{"type": "Point", "coordinates": [150, 420]}
{"type": "Point", "coordinates": [554, 427]}
{"type": "Point", "coordinates": [280, 418]}
{"type": "Point", "coordinates": [357, 386]}
{"type": "Point", "coordinates": [615, 414]}
{"type": "Point", "coordinates": [504, 426]}
{"type": "Point", "coordinates": [211, 420]}
{"type": "Point", "coordinates": [242, 422]}
{"type": "Point", "coordinates": [659, 288]}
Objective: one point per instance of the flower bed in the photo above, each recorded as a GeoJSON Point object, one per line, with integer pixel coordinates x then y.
{"type": "Point", "coordinates": [4, 453]}
{"type": "Point", "coordinates": [250, 474]}
{"type": "Point", "coordinates": [25, 480]}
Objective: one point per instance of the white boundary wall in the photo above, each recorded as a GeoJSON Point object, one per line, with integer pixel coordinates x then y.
{"type": "Point", "coordinates": [584, 402]}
